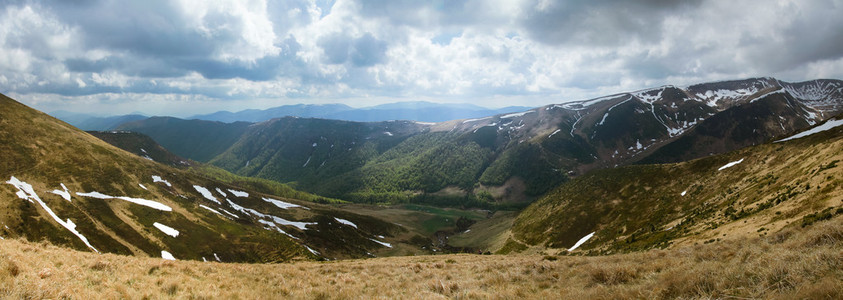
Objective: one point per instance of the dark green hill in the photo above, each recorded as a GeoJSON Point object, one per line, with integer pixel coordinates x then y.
{"type": "Point", "coordinates": [194, 139]}
{"type": "Point", "coordinates": [141, 145]}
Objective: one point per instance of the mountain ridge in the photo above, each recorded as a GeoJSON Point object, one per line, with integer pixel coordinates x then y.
{"type": "Point", "coordinates": [65, 186]}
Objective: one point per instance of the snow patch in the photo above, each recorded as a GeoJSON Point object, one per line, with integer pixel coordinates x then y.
{"type": "Point", "coordinates": [240, 194]}
{"type": "Point", "coordinates": [683, 193]}
{"type": "Point", "coordinates": [307, 162]}
{"type": "Point", "coordinates": [273, 226]}
{"type": "Point", "coordinates": [711, 98]}
{"type": "Point", "coordinates": [513, 115]}
{"type": "Point", "coordinates": [26, 192]}
{"type": "Point", "coordinates": [581, 241]}
{"type": "Point", "coordinates": [139, 201]}
{"type": "Point", "coordinates": [221, 192]}
{"type": "Point", "coordinates": [731, 164]}
{"type": "Point", "coordinates": [211, 209]}
{"type": "Point", "coordinates": [282, 204]}
{"type": "Point", "coordinates": [166, 229]}
{"type": "Point", "coordinates": [63, 193]}
{"type": "Point", "coordinates": [824, 127]}
{"type": "Point", "coordinates": [580, 105]}
{"type": "Point", "coordinates": [346, 222]}
{"type": "Point", "coordinates": [311, 250]}
{"type": "Point", "coordinates": [388, 133]}
{"type": "Point", "coordinates": [277, 220]}
{"type": "Point", "coordinates": [388, 245]}
{"type": "Point", "coordinates": [206, 193]}
{"type": "Point", "coordinates": [475, 120]}
{"type": "Point", "coordinates": [166, 255]}
{"type": "Point", "coordinates": [142, 186]}
{"type": "Point", "coordinates": [158, 179]}
{"type": "Point", "coordinates": [555, 132]}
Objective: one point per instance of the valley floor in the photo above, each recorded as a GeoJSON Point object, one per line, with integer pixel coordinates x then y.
{"type": "Point", "coordinates": [793, 263]}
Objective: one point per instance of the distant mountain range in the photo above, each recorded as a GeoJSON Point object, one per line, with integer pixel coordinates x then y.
{"type": "Point", "coordinates": [505, 159]}
{"type": "Point", "coordinates": [89, 122]}
{"type": "Point", "coordinates": [413, 111]}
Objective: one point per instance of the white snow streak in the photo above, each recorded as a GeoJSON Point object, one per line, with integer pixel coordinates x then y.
{"type": "Point", "coordinates": [555, 132]}
{"type": "Point", "coordinates": [239, 193]}
{"type": "Point", "coordinates": [581, 241]}
{"type": "Point", "coordinates": [282, 204]}
{"type": "Point", "coordinates": [311, 250]}
{"type": "Point", "coordinates": [158, 179]}
{"type": "Point", "coordinates": [346, 222]}
{"type": "Point", "coordinates": [26, 192]}
{"type": "Point", "coordinates": [221, 192]}
{"type": "Point", "coordinates": [206, 193]}
{"type": "Point", "coordinates": [166, 229]}
{"type": "Point", "coordinates": [513, 115]}
{"type": "Point", "coordinates": [824, 127]}
{"type": "Point", "coordinates": [144, 202]}
{"type": "Point", "coordinates": [63, 193]}
{"type": "Point", "coordinates": [475, 120]}
{"type": "Point", "coordinates": [279, 221]}
{"type": "Point", "coordinates": [211, 209]}
{"type": "Point", "coordinates": [731, 164]}
{"type": "Point", "coordinates": [388, 245]}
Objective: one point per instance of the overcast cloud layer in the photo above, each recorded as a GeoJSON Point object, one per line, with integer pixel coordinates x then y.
{"type": "Point", "coordinates": [183, 57]}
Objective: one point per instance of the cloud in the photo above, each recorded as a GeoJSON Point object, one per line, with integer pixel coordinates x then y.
{"type": "Point", "coordinates": [498, 52]}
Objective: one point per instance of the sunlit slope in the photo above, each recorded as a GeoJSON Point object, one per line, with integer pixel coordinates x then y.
{"type": "Point", "coordinates": [747, 192]}
{"type": "Point", "coordinates": [797, 263]}
{"type": "Point", "coordinates": [63, 185]}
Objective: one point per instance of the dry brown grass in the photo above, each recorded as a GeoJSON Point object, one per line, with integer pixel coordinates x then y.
{"type": "Point", "coordinates": [797, 263]}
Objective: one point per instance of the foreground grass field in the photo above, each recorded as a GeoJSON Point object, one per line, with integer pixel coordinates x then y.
{"type": "Point", "coordinates": [794, 263]}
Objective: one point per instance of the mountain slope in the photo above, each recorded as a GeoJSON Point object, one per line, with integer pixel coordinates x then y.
{"type": "Point", "coordinates": [512, 158]}
{"type": "Point", "coordinates": [742, 193]}
{"type": "Point", "coordinates": [194, 139]}
{"type": "Point", "coordinates": [141, 145]}
{"type": "Point", "coordinates": [65, 186]}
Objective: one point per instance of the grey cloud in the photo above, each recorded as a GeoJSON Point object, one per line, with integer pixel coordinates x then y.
{"type": "Point", "coordinates": [368, 51]}
{"type": "Point", "coordinates": [806, 40]}
{"type": "Point", "coordinates": [364, 51]}
{"type": "Point", "coordinates": [599, 22]}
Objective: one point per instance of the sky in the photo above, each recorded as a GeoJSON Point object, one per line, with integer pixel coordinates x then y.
{"type": "Point", "coordinates": [184, 57]}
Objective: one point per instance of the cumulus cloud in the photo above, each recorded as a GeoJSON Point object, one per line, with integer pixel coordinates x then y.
{"type": "Point", "coordinates": [257, 53]}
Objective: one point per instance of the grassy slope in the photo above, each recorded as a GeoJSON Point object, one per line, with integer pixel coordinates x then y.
{"type": "Point", "coordinates": [793, 264]}
{"type": "Point", "coordinates": [639, 207]}
{"type": "Point", "coordinates": [45, 152]}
